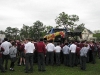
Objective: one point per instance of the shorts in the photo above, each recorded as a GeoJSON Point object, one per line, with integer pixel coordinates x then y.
{"type": "Point", "coordinates": [22, 54]}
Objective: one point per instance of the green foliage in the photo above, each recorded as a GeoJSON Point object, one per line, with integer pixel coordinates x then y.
{"type": "Point", "coordinates": [35, 31]}
{"type": "Point", "coordinates": [97, 35]}
{"type": "Point", "coordinates": [66, 20]}
{"type": "Point", "coordinates": [48, 28]}
{"type": "Point", "coordinates": [38, 30]}
{"type": "Point", "coordinates": [79, 28]}
{"type": "Point", "coordinates": [97, 31]}
{"type": "Point", "coordinates": [11, 33]}
{"type": "Point", "coordinates": [24, 32]}
{"type": "Point", "coordinates": [2, 32]}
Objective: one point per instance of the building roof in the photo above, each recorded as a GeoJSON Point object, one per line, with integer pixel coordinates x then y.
{"type": "Point", "coordinates": [78, 29]}
{"type": "Point", "coordinates": [90, 31]}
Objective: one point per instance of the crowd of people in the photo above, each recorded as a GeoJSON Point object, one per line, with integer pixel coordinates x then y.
{"type": "Point", "coordinates": [46, 53]}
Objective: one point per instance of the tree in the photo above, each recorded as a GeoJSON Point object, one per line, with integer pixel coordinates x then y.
{"type": "Point", "coordinates": [8, 32]}
{"type": "Point", "coordinates": [2, 32]}
{"type": "Point", "coordinates": [35, 31]}
{"type": "Point", "coordinates": [15, 32]}
{"type": "Point", "coordinates": [80, 27]}
{"type": "Point", "coordinates": [11, 33]}
{"type": "Point", "coordinates": [97, 31]}
{"type": "Point", "coordinates": [38, 30]}
{"type": "Point", "coordinates": [48, 28]}
{"type": "Point", "coordinates": [66, 20]}
{"type": "Point", "coordinates": [24, 32]}
{"type": "Point", "coordinates": [31, 31]}
{"type": "Point", "coordinates": [97, 35]}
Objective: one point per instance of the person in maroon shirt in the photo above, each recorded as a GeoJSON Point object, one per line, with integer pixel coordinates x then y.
{"type": "Point", "coordinates": [22, 54]}
{"type": "Point", "coordinates": [91, 51]}
{"type": "Point", "coordinates": [77, 55]}
{"type": "Point", "coordinates": [81, 44]}
{"type": "Point", "coordinates": [18, 50]}
{"type": "Point", "coordinates": [94, 50]}
{"type": "Point", "coordinates": [35, 58]}
{"type": "Point", "coordinates": [99, 49]}
{"type": "Point", "coordinates": [1, 65]}
{"type": "Point", "coordinates": [41, 55]}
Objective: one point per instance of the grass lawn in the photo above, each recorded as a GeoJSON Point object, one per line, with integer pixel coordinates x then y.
{"type": "Point", "coordinates": [92, 69]}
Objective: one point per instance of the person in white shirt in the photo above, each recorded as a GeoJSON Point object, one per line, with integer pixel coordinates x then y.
{"type": "Point", "coordinates": [57, 52]}
{"type": "Point", "coordinates": [72, 53]}
{"type": "Point", "coordinates": [29, 50]}
{"type": "Point", "coordinates": [66, 52]}
{"type": "Point", "coordinates": [50, 53]}
{"type": "Point", "coordinates": [6, 45]}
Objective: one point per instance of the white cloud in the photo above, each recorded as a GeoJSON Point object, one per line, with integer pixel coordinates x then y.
{"type": "Point", "coordinates": [15, 13]}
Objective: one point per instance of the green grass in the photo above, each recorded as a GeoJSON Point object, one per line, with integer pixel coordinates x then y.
{"type": "Point", "coordinates": [91, 69]}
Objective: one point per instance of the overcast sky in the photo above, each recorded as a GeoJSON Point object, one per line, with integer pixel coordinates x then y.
{"type": "Point", "coordinates": [15, 13]}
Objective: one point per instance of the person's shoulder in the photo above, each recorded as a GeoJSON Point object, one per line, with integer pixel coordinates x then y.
{"type": "Point", "coordinates": [15, 48]}
{"type": "Point", "coordinates": [2, 43]}
{"type": "Point", "coordinates": [32, 44]}
{"type": "Point", "coordinates": [26, 44]}
{"type": "Point", "coordinates": [9, 43]}
{"type": "Point", "coordinates": [71, 45]}
{"type": "Point", "coordinates": [59, 46]}
{"type": "Point", "coordinates": [82, 48]}
{"type": "Point", "coordinates": [52, 43]}
{"type": "Point", "coordinates": [11, 47]}
{"type": "Point", "coordinates": [48, 44]}
{"type": "Point", "coordinates": [67, 47]}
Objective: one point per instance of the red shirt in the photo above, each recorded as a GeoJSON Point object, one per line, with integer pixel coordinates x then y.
{"type": "Point", "coordinates": [81, 45]}
{"type": "Point", "coordinates": [22, 48]}
{"type": "Point", "coordinates": [2, 49]}
{"type": "Point", "coordinates": [78, 50]}
{"type": "Point", "coordinates": [18, 45]}
{"type": "Point", "coordinates": [0, 55]}
{"type": "Point", "coordinates": [98, 48]}
{"type": "Point", "coordinates": [41, 47]}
